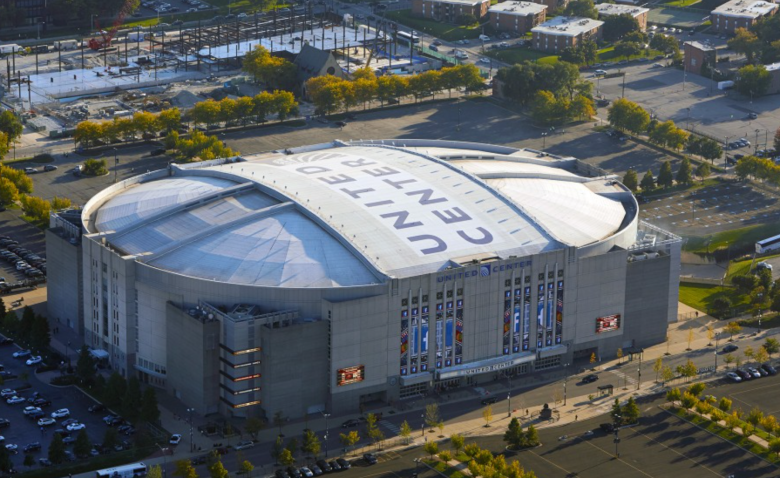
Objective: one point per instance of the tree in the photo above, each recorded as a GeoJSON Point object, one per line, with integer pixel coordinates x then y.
{"type": "Point", "coordinates": [292, 445]}
{"type": "Point", "coordinates": [274, 71]}
{"type": "Point", "coordinates": [405, 432]}
{"type": "Point", "coordinates": [665, 176]}
{"type": "Point", "coordinates": [26, 324]}
{"type": "Point", "coordinates": [277, 448]}
{"type": "Point", "coordinates": [729, 359]}
{"type": "Point", "coordinates": [769, 424]}
{"type": "Point", "coordinates": [184, 469]}
{"type": "Point", "coordinates": [669, 135]}
{"type": "Point", "coordinates": [760, 355]}
{"type": "Point", "coordinates": [531, 436]}
{"type": "Point", "coordinates": [753, 80]}
{"type": "Point", "coordinates": [774, 445]}
{"type": "Point", "coordinates": [253, 426]}
{"type": "Point", "coordinates": [514, 435]}
{"type": "Point", "coordinates": [246, 468]}
{"type": "Point", "coordinates": [617, 26]}
{"type": "Point", "coordinates": [648, 181]}
{"type": "Point", "coordinates": [155, 471]}
{"type": "Point", "coordinates": [703, 170]}
{"type": "Point", "coordinates": [697, 389]}
{"type": "Point", "coordinates": [56, 449]}
{"type": "Point", "coordinates": [664, 43]}
{"type": "Point", "coordinates": [29, 461]}
{"type": "Point", "coordinates": [626, 115]}
{"type": "Point", "coordinates": [732, 328]}
{"type": "Point", "coordinates": [487, 415]}
{"type": "Point", "coordinates": [658, 366]}
{"type": "Point", "coordinates": [630, 411]}
{"type": "Point", "coordinates": [667, 374]}
{"type": "Point", "coordinates": [710, 149]}
{"type": "Point", "coordinates": [217, 470]}
{"type": "Point", "coordinates": [8, 191]}
{"type": "Point", "coordinates": [581, 9]}
{"type": "Point", "coordinates": [755, 416]}
{"type": "Point", "coordinates": [150, 411]}
{"type": "Point", "coordinates": [431, 448]}
{"type": "Point", "coordinates": [581, 107]}
{"type": "Point", "coordinates": [286, 458]}
{"type": "Point", "coordinates": [627, 49]}
{"type": "Point", "coordinates": [349, 439]}
{"type": "Point", "coordinates": [771, 345]}
{"type": "Point", "coordinates": [311, 444]}
{"type": "Point", "coordinates": [10, 126]}
{"type": "Point", "coordinates": [131, 401]}
{"type": "Point", "coordinates": [432, 416]}
{"type": "Point", "coordinates": [673, 395]}
{"type": "Point", "coordinates": [616, 412]}
{"type": "Point", "coordinates": [630, 180]}
{"type": "Point", "coordinates": [40, 338]}
{"type": "Point", "coordinates": [457, 442]}
{"type": "Point", "coordinates": [724, 404]}
{"type": "Point", "coordinates": [35, 208]}
{"type": "Point", "coordinates": [746, 42]}
{"type": "Point", "coordinates": [83, 445]}
{"type": "Point", "coordinates": [688, 401]}
{"type": "Point", "coordinates": [110, 438]}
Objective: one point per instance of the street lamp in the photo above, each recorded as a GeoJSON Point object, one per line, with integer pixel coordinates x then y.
{"type": "Point", "coordinates": [423, 426]}
{"type": "Point", "coordinates": [165, 458]}
{"type": "Point", "coordinates": [326, 415]}
{"type": "Point", "coordinates": [544, 140]}
{"type": "Point", "coordinates": [616, 440]}
{"type": "Point", "coordinates": [416, 467]}
{"type": "Point", "coordinates": [565, 378]}
{"type": "Point", "coordinates": [192, 444]}
{"type": "Point", "coordinates": [67, 356]}
{"type": "Point", "coordinates": [509, 404]}
{"type": "Point", "coordinates": [116, 165]}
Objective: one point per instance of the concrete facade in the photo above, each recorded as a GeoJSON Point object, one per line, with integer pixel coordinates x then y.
{"type": "Point", "coordinates": [517, 17]}
{"type": "Point", "coordinates": [740, 14]}
{"type": "Point", "coordinates": [774, 70]}
{"type": "Point", "coordinates": [449, 10]}
{"type": "Point", "coordinates": [609, 9]}
{"type": "Point", "coordinates": [64, 292]}
{"type": "Point", "coordinates": [253, 350]}
{"type": "Point", "coordinates": [565, 32]}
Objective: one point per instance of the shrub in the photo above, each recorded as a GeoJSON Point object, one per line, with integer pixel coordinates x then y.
{"type": "Point", "coordinates": [95, 167]}
{"type": "Point", "coordinates": [445, 456]}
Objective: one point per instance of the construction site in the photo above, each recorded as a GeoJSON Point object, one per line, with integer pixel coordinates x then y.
{"type": "Point", "coordinates": [116, 72]}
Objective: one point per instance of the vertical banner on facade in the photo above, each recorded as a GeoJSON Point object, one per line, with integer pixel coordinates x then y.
{"type": "Point", "coordinates": [414, 338]}
{"type": "Point", "coordinates": [449, 335]}
{"type": "Point", "coordinates": [439, 334]}
{"type": "Point", "coordinates": [424, 340]}
{"type": "Point", "coordinates": [507, 326]}
{"type": "Point", "coordinates": [559, 314]}
{"type": "Point", "coordinates": [516, 321]}
{"type": "Point", "coordinates": [459, 333]}
{"type": "Point", "coordinates": [404, 345]}
{"type": "Point", "coordinates": [527, 318]}
{"type": "Point", "coordinates": [550, 312]}
{"type": "Point", "coordinates": [540, 317]}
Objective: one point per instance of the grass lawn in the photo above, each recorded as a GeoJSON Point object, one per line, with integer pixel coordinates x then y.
{"type": "Point", "coordinates": [519, 55]}
{"type": "Point", "coordinates": [445, 31]}
{"type": "Point", "coordinates": [682, 3]}
{"type": "Point", "coordinates": [743, 237]}
{"type": "Point", "coordinates": [699, 296]}
{"type": "Point", "coordinates": [608, 54]}
{"type": "Point", "coordinates": [445, 470]}
{"type": "Point", "coordinates": [768, 321]}
{"type": "Point", "coordinates": [682, 187]}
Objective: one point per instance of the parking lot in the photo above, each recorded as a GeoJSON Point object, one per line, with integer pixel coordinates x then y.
{"type": "Point", "coordinates": [23, 430]}
{"type": "Point", "coordinates": [712, 209]}
{"type": "Point", "coordinates": [761, 393]}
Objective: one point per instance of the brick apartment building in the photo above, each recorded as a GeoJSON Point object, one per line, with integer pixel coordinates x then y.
{"type": "Point", "coordinates": [552, 4]}
{"type": "Point", "coordinates": [449, 10]}
{"type": "Point", "coordinates": [517, 17]}
{"type": "Point", "coordinates": [608, 9]}
{"type": "Point", "coordinates": [561, 32]}
{"type": "Point", "coordinates": [696, 54]}
{"type": "Point", "coordinates": [740, 14]}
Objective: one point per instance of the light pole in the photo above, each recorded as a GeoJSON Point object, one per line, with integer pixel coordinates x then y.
{"type": "Point", "coordinates": [416, 467]}
{"type": "Point", "coordinates": [544, 140]}
{"type": "Point", "coordinates": [67, 346]}
{"type": "Point", "coordinates": [616, 440]}
{"type": "Point", "coordinates": [755, 147]}
{"type": "Point", "coordinates": [165, 459]}
{"type": "Point", "coordinates": [116, 165]}
{"type": "Point", "coordinates": [192, 444]}
{"type": "Point", "coordinates": [326, 415]}
{"type": "Point", "coordinates": [422, 428]}
{"type": "Point", "coordinates": [509, 404]}
{"type": "Point", "coordinates": [565, 378]}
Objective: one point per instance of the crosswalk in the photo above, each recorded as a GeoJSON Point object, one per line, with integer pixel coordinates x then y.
{"type": "Point", "coordinates": [390, 426]}
{"type": "Point", "coordinates": [623, 378]}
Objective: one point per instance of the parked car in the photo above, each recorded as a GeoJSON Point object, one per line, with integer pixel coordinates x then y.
{"type": "Point", "coordinates": [351, 423]}
{"type": "Point", "coordinates": [370, 458]}
{"type": "Point", "coordinates": [733, 377]}
{"type": "Point", "coordinates": [50, 167]}
{"type": "Point", "coordinates": [21, 353]}
{"type": "Point", "coordinates": [98, 407]}
{"type": "Point", "coordinates": [14, 400]}
{"type": "Point", "coordinates": [590, 378]}
{"type": "Point", "coordinates": [175, 439]}
{"type": "Point", "coordinates": [489, 400]}
{"type": "Point", "coordinates": [730, 348]}
{"type": "Point", "coordinates": [46, 422]}
{"type": "Point", "coordinates": [743, 374]}
{"type": "Point", "coordinates": [34, 360]}
{"type": "Point", "coordinates": [324, 466]}
{"type": "Point", "coordinates": [769, 369]}
{"type": "Point", "coordinates": [7, 393]}
{"type": "Point", "coordinates": [76, 427]}
{"type": "Point", "coordinates": [345, 465]}
{"type": "Point", "coordinates": [755, 373]}
{"type": "Point", "coordinates": [31, 447]}
{"type": "Point", "coordinates": [61, 413]}
{"type": "Point", "coordinates": [243, 445]}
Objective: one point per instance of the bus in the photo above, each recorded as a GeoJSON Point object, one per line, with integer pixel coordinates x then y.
{"type": "Point", "coordinates": [768, 245]}
{"type": "Point", "coordinates": [407, 38]}
{"type": "Point", "coordinates": [134, 470]}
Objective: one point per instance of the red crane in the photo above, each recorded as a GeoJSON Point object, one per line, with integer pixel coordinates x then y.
{"type": "Point", "coordinates": [108, 35]}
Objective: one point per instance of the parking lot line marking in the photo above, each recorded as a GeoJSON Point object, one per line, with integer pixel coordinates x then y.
{"type": "Point", "coordinates": [619, 459]}
{"type": "Point", "coordinates": [637, 432]}
{"type": "Point", "coordinates": [568, 473]}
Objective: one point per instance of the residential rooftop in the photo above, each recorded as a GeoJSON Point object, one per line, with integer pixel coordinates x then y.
{"type": "Point", "coordinates": [608, 9]}
{"type": "Point", "coordinates": [461, 2]}
{"type": "Point", "coordinates": [567, 26]}
{"type": "Point", "coordinates": [518, 8]}
{"type": "Point", "coordinates": [745, 8]}
{"type": "Point", "coordinates": [699, 45]}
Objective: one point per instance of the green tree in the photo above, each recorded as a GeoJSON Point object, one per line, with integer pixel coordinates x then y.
{"type": "Point", "coordinates": [10, 126]}
{"type": "Point", "coordinates": [349, 439]}
{"type": "Point", "coordinates": [664, 43]}
{"type": "Point", "coordinates": [311, 444]}
{"type": "Point", "coordinates": [724, 404]}
{"type": "Point", "coordinates": [457, 442]}
{"type": "Point", "coordinates": [431, 448]}
{"type": "Point", "coordinates": [29, 460]}
{"type": "Point", "coordinates": [627, 49]}
{"type": "Point", "coordinates": [286, 458]}
{"type": "Point", "coordinates": [26, 324]}
{"type": "Point", "coordinates": [83, 445]}
{"type": "Point", "coordinates": [253, 426]}
{"type": "Point", "coordinates": [246, 468]}
{"type": "Point", "coordinates": [514, 435]}
{"type": "Point", "coordinates": [697, 389]}
{"type": "Point", "coordinates": [277, 448]}
{"type": "Point", "coordinates": [626, 115]}
{"type": "Point", "coordinates": [753, 80]}
{"type": "Point", "coordinates": [110, 438]}
{"type": "Point", "coordinates": [684, 173]}
{"type": "Point", "coordinates": [703, 170]}
{"type": "Point", "coordinates": [710, 149]}
{"type": "Point", "coordinates": [131, 400]}
{"type": "Point", "coordinates": [774, 445]}
{"type": "Point", "coordinates": [8, 192]}
{"type": "Point", "coordinates": [150, 411]}
{"type": "Point", "coordinates": [688, 401]}
{"type": "Point", "coordinates": [40, 338]}
{"type": "Point", "coordinates": [630, 180]}
{"type": "Point", "coordinates": [755, 416]}
{"type": "Point", "coordinates": [665, 177]}
{"type": "Point", "coordinates": [56, 449]}
{"type": "Point", "coordinates": [115, 390]}
{"type": "Point", "coordinates": [673, 395]}
{"type": "Point", "coordinates": [581, 107]}
{"type": "Point", "coordinates": [771, 345]}
{"type": "Point", "coordinates": [292, 445]}
{"type": "Point", "coordinates": [184, 469]}
{"type": "Point", "coordinates": [581, 9]}
{"type": "Point", "coordinates": [531, 436]}
{"type": "Point", "coordinates": [648, 181]}
{"type": "Point", "coordinates": [630, 411]}
{"type": "Point", "coordinates": [732, 328]}
{"type": "Point", "coordinates": [405, 431]}
{"type": "Point", "coordinates": [617, 26]}
{"type": "Point", "coordinates": [667, 374]}
{"type": "Point", "coordinates": [746, 42]}
{"type": "Point", "coordinates": [432, 416]}
{"type": "Point", "coordinates": [155, 471]}
{"type": "Point", "coordinates": [217, 470]}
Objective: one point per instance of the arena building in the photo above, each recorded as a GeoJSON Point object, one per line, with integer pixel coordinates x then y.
{"type": "Point", "coordinates": [329, 276]}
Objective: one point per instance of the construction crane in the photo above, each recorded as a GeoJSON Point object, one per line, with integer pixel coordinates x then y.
{"type": "Point", "coordinates": [104, 41]}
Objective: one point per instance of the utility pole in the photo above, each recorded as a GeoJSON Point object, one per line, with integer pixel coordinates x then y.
{"type": "Point", "coordinates": [192, 444]}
